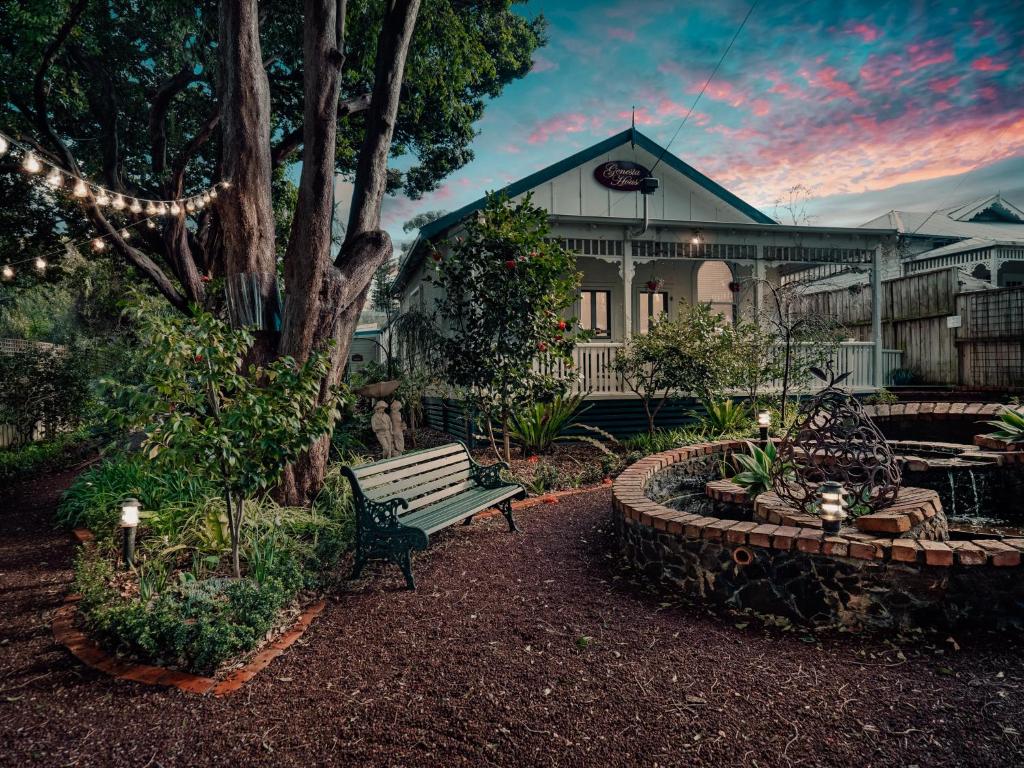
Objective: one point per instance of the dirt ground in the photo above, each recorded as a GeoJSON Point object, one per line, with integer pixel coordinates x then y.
{"type": "Point", "coordinates": [528, 649]}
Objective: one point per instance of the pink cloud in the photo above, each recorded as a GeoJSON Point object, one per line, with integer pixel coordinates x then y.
{"type": "Point", "coordinates": [561, 124]}
{"type": "Point", "coordinates": [988, 64]}
{"type": "Point", "coordinates": [723, 91]}
{"type": "Point", "coordinates": [510, 148]}
{"type": "Point", "coordinates": [825, 78]}
{"type": "Point", "coordinates": [927, 55]}
{"type": "Point", "coordinates": [867, 32]}
{"type": "Point", "coordinates": [621, 33]}
{"type": "Point", "coordinates": [760, 107]}
{"type": "Point", "coordinates": [543, 64]}
{"type": "Point", "coordinates": [642, 116]}
{"type": "Point", "coordinates": [944, 84]}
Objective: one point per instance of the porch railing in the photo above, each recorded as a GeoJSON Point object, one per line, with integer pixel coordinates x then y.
{"type": "Point", "coordinates": [595, 373]}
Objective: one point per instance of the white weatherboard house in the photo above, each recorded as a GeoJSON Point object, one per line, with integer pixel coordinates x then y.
{"type": "Point", "coordinates": [644, 255]}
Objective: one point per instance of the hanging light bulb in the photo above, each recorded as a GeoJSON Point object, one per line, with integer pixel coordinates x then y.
{"type": "Point", "coordinates": [3, 151]}
{"type": "Point", "coordinates": [98, 244]}
{"type": "Point", "coordinates": [200, 203]}
{"type": "Point", "coordinates": [213, 194]}
{"type": "Point", "coordinates": [54, 179]}
{"type": "Point", "coordinates": [190, 206]}
{"type": "Point", "coordinates": [226, 184]}
{"type": "Point", "coordinates": [80, 189]}
{"type": "Point", "coordinates": [151, 224]}
{"type": "Point", "coordinates": [135, 207]}
{"type": "Point", "coordinates": [161, 209]}
{"type": "Point", "coordinates": [8, 271]}
{"type": "Point", "coordinates": [40, 263]}
{"type": "Point", "coordinates": [31, 163]}
{"type": "Point", "coordinates": [103, 198]}
{"type": "Point", "coordinates": [125, 234]}
{"type": "Point", "coordinates": [117, 202]}
{"type": "Point", "coordinates": [150, 209]}
{"type": "Point", "coordinates": [175, 208]}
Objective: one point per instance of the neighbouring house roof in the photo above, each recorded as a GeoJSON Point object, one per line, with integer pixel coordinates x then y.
{"type": "Point", "coordinates": [991, 218]}
{"type": "Point", "coordinates": [441, 226]}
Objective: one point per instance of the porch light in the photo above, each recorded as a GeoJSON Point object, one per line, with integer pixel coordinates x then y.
{"type": "Point", "coordinates": [764, 423]}
{"type": "Point", "coordinates": [832, 507]}
{"type": "Point", "coordinates": [696, 238]}
{"type": "Point", "coordinates": [129, 522]}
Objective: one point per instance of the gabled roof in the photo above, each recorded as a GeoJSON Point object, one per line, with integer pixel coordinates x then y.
{"type": "Point", "coordinates": [993, 218]}
{"type": "Point", "coordinates": [448, 221]}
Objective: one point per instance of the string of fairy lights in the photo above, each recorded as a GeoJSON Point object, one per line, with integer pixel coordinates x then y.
{"type": "Point", "coordinates": [85, 191]}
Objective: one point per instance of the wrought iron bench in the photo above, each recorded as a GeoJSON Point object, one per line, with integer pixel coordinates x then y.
{"type": "Point", "coordinates": [400, 502]}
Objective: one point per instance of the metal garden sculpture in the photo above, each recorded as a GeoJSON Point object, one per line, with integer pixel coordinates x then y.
{"type": "Point", "coordinates": [833, 439]}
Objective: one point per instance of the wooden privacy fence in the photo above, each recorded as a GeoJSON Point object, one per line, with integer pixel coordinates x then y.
{"type": "Point", "coordinates": [948, 335]}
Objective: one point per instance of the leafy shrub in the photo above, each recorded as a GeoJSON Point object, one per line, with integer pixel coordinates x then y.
{"type": "Point", "coordinates": [757, 468]}
{"type": "Point", "coordinates": [1009, 426]}
{"type": "Point", "coordinates": [881, 397]}
{"type": "Point", "coordinates": [56, 453]}
{"type": "Point", "coordinates": [722, 417]}
{"type": "Point", "coordinates": [663, 440]}
{"type": "Point", "coordinates": [538, 427]}
{"type": "Point", "coordinates": [545, 478]}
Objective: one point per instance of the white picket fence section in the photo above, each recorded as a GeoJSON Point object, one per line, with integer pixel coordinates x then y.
{"type": "Point", "coordinates": [595, 373]}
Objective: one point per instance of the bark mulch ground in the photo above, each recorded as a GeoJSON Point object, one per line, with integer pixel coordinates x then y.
{"type": "Point", "coordinates": [517, 650]}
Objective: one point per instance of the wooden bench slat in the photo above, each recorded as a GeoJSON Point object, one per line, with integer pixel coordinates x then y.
{"type": "Point", "coordinates": [433, 519]}
{"type": "Point", "coordinates": [407, 486]}
{"type": "Point", "coordinates": [414, 494]}
{"type": "Point", "coordinates": [416, 457]}
{"type": "Point", "coordinates": [443, 493]}
{"type": "Point", "coordinates": [454, 464]}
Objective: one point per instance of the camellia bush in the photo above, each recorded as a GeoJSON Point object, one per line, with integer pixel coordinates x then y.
{"type": "Point", "coordinates": [506, 287]}
{"type": "Point", "coordinates": [205, 411]}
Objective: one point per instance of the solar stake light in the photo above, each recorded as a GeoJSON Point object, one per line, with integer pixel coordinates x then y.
{"type": "Point", "coordinates": [764, 423]}
{"type": "Point", "coordinates": [129, 522]}
{"type": "Point", "coordinates": [833, 506]}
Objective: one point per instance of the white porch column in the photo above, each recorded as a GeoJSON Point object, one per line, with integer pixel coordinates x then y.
{"type": "Point", "coordinates": [627, 289]}
{"type": "Point", "coordinates": [993, 266]}
{"type": "Point", "coordinates": [877, 373]}
{"type": "Point", "coordinates": [759, 277]}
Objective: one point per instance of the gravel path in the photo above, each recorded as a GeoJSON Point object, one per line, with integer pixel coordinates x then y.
{"type": "Point", "coordinates": [525, 650]}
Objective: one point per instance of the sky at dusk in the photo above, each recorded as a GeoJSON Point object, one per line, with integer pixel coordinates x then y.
{"type": "Point", "coordinates": [873, 105]}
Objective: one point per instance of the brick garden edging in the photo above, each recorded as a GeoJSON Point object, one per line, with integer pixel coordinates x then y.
{"type": "Point", "coordinates": [92, 655]}
{"type": "Point", "coordinates": [711, 557]}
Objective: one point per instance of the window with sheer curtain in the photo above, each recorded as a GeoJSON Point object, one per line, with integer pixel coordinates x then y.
{"type": "Point", "coordinates": [713, 280]}
{"type": "Point", "coordinates": [596, 312]}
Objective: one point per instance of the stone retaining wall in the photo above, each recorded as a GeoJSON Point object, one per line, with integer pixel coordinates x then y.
{"type": "Point", "coordinates": [856, 578]}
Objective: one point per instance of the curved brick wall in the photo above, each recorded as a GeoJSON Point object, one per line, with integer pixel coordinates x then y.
{"type": "Point", "coordinates": [860, 578]}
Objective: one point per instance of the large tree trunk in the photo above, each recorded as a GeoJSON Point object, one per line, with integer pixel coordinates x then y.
{"type": "Point", "coordinates": [246, 209]}
{"type": "Point", "coordinates": [343, 287]}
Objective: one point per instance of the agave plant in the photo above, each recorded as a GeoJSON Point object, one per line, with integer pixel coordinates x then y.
{"type": "Point", "coordinates": [1009, 426]}
{"type": "Point", "coordinates": [722, 416]}
{"type": "Point", "coordinates": [537, 428]}
{"type": "Point", "coordinates": [757, 468]}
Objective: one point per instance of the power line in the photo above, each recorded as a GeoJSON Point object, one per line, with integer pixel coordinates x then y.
{"type": "Point", "coordinates": [706, 84]}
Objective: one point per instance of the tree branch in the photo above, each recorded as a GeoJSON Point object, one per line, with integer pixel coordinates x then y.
{"type": "Point", "coordinates": [174, 85]}
{"type": "Point", "coordinates": [293, 139]}
{"type": "Point", "coordinates": [39, 86]}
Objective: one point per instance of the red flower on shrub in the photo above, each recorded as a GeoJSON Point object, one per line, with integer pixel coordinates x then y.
{"type": "Point", "coordinates": [511, 263]}
{"type": "Point", "coordinates": [205, 278]}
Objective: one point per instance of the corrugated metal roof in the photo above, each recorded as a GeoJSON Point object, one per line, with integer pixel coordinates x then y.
{"type": "Point", "coordinates": [955, 221]}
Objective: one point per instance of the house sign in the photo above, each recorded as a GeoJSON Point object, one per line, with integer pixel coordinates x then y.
{"type": "Point", "coordinates": [621, 175]}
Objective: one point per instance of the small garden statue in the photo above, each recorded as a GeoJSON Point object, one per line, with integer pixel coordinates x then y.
{"type": "Point", "coordinates": [380, 423]}
{"type": "Point", "coordinates": [397, 429]}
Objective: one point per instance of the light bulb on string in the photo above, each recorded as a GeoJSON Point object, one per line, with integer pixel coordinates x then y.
{"type": "Point", "coordinates": [80, 189]}
{"type": "Point", "coordinates": [31, 163]}
{"type": "Point", "coordinates": [226, 184]}
{"type": "Point", "coordinates": [125, 234]}
{"type": "Point", "coordinates": [175, 208]}
{"type": "Point", "coordinates": [54, 179]}
{"type": "Point", "coordinates": [190, 206]}
{"type": "Point", "coordinates": [102, 198]}
{"type": "Point", "coordinates": [151, 224]}
{"type": "Point", "coordinates": [3, 151]}
{"type": "Point", "coordinates": [117, 202]}
{"type": "Point", "coordinates": [98, 244]}
{"type": "Point", "coordinates": [135, 207]}
{"type": "Point", "coordinates": [40, 263]}
{"type": "Point", "coordinates": [150, 209]}
{"type": "Point", "coordinates": [213, 194]}
{"type": "Point", "coordinates": [8, 271]}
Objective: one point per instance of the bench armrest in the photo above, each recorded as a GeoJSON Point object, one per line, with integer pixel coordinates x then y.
{"type": "Point", "coordinates": [489, 476]}
{"type": "Point", "coordinates": [381, 514]}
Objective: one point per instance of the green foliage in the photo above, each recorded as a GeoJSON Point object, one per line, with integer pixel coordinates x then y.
{"type": "Point", "coordinates": [1009, 426]}
{"type": "Point", "coordinates": [504, 286]}
{"type": "Point", "coordinates": [722, 417]}
{"type": "Point", "coordinates": [676, 356]}
{"type": "Point", "coordinates": [751, 357]}
{"type": "Point", "coordinates": [545, 478]}
{"type": "Point", "coordinates": [881, 397]}
{"type": "Point", "coordinates": [49, 387]}
{"type": "Point", "coordinates": [231, 427]}
{"type": "Point", "coordinates": [54, 453]}
{"type": "Point", "coordinates": [536, 428]}
{"type": "Point", "coordinates": [757, 468]}
{"type": "Point", "coordinates": [644, 444]}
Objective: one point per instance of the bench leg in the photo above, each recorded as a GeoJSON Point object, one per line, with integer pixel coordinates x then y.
{"type": "Point", "coordinates": [357, 567]}
{"type": "Point", "coordinates": [506, 510]}
{"type": "Point", "coordinates": [404, 561]}
{"type": "Point", "coordinates": [468, 520]}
